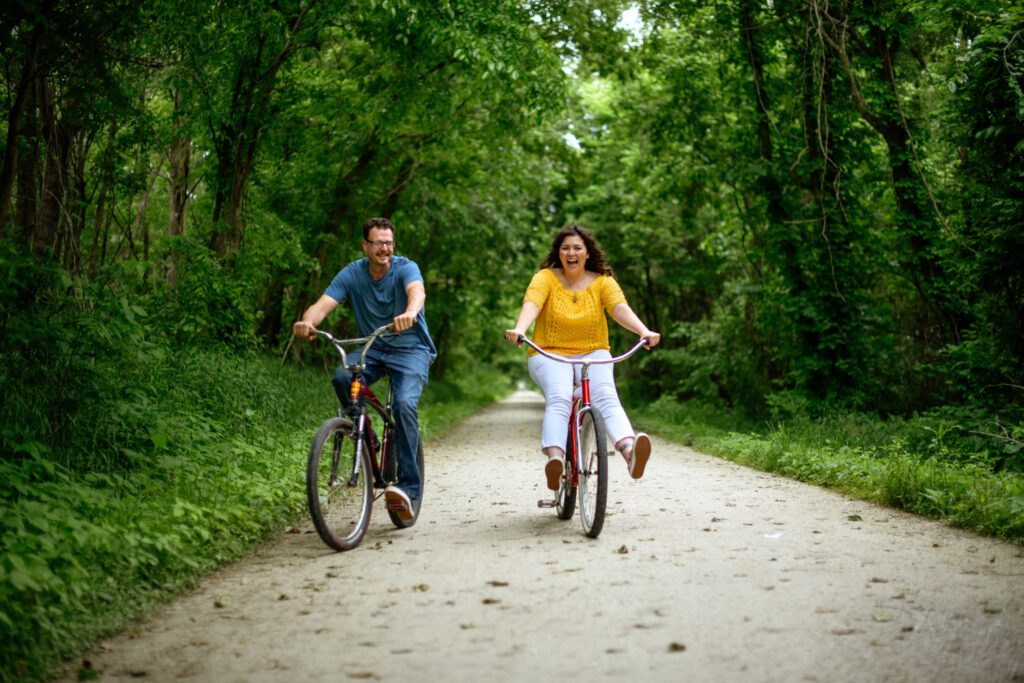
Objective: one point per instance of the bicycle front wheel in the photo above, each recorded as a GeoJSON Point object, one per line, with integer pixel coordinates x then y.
{"type": "Point", "coordinates": [593, 477]}
{"type": "Point", "coordinates": [338, 489]}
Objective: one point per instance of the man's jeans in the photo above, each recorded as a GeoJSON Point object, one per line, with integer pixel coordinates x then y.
{"type": "Point", "coordinates": [408, 371]}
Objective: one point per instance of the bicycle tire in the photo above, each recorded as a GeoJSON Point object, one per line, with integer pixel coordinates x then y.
{"type": "Point", "coordinates": [565, 501]}
{"type": "Point", "coordinates": [593, 479]}
{"type": "Point", "coordinates": [395, 519]}
{"type": "Point", "coordinates": [340, 498]}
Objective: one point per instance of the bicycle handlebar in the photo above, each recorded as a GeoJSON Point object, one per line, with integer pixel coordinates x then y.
{"type": "Point", "coordinates": [644, 341]}
{"type": "Point", "coordinates": [339, 344]}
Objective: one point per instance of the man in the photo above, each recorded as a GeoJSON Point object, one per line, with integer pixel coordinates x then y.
{"type": "Point", "coordinates": [383, 288]}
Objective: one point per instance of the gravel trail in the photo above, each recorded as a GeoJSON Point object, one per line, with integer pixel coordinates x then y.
{"type": "Point", "coordinates": [705, 571]}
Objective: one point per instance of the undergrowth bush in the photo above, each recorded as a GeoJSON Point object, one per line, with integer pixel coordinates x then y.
{"type": "Point", "coordinates": [215, 462]}
{"type": "Point", "coordinates": [940, 464]}
{"type": "Point", "coordinates": [218, 464]}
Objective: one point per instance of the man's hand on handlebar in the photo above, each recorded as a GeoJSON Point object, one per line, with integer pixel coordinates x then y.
{"type": "Point", "coordinates": [304, 330]}
{"type": "Point", "coordinates": [404, 321]}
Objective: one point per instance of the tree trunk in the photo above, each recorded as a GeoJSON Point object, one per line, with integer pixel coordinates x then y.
{"type": "Point", "coordinates": [78, 202]}
{"type": "Point", "coordinates": [273, 310]}
{"type": "Point", "coordinates": [139, 225]}
{"type": "Point", "coordinates": [21, 98]}
{"type": "Point", "coordinates": [403, 178]}
{"type": "Point", "coordinates": [245, 157]}
{"type": "Point", "coordinates": [97, 228]}
{"type": "Point", "coordinates": [55, 174]}
{"type": "Point", "coordinates": [769, 185]}
{"type": "Point", "coordinates": [27, 207]}
{"type": "Point", "coordinates": [104, 190]}
{"type": "Point", "coordinates": [341, 198]}
{"type": "Point", "coordinates": [179, 157]}
{"type": "Point", "coordinates": [915, 221]}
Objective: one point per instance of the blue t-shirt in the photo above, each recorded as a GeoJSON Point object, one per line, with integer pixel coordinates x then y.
{"type": "Point", "coordinates": [377, 302]}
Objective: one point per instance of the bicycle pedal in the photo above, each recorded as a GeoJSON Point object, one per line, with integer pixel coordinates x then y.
{"type": "Point", "coordinates": [546, 503]}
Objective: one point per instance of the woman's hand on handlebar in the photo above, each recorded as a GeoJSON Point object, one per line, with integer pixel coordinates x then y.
{"type": "Point", "coordinates": [653, 338]}
{"type": "Point", "coordinates": [514, 336]}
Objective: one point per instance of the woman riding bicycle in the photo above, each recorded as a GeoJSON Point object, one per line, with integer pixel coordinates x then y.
{"type": "Point", "coordinates": [568, 298]}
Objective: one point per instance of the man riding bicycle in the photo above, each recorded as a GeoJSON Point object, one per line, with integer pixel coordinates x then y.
{"type": "Point", "coordinates": [383, 288]}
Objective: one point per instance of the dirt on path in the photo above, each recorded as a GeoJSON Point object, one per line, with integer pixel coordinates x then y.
{"type": "Point", "coordinates": [705, 571]}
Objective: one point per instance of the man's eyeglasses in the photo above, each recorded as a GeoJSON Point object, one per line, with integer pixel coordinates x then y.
{"type": "Point", "coordinates": [377, 244]}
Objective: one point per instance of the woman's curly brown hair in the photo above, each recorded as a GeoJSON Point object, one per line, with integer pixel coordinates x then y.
{"type": "Point", "coordinates": [596, 260]}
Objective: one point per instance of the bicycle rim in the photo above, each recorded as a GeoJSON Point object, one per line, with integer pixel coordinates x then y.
{"type": "Point", "coordinates": [593, 478]}
{"type": "Point", "coordinates": [339, 495]}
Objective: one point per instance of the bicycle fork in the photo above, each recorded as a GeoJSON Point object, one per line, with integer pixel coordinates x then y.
{"type": "Point", "coordinates": [358, 412]}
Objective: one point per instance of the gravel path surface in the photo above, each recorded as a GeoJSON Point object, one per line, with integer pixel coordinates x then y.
{"type": "Point", "coordinates": [705, 571]}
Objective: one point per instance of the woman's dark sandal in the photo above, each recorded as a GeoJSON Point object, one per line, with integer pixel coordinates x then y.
{"type": "Point", "coordinates": [553, 472]}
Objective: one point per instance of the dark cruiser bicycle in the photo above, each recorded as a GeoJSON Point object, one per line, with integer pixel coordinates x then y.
{"type": "Point", "coordinates": [347, 468]}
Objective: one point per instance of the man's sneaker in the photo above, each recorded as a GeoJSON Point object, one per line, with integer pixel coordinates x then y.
{"type": "Point", "coordinates": [641, 453]}
{"type": "Point", "coordinates": [398, 502]}
{"type": "Point", "coordinates": [553, 472]}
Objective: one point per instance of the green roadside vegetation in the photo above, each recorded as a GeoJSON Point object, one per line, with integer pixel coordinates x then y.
{"type": "Point", "coordinates": [217, 466]}
{"type": "Point", "coordinates": [953, 465]}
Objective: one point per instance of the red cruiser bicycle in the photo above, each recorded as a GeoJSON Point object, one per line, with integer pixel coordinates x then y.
{"type": "Point", "coordinates": [585, 470]}
{"type": "Point", "coordinates": [347, 469]}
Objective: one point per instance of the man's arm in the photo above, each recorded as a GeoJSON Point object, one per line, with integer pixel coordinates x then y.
{"type": "Point", "coordinates": [416, 293]}
{"type": "Point", "coordinates": [313, 316]}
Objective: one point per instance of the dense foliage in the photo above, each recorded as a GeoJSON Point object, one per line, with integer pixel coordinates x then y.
{"type": "Point", "coordinates": [818, 202]}
{"type": "Point", "coordinates": [833, 191]}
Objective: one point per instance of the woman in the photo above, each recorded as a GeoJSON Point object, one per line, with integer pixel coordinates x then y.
{"type": "Point", "coordinates": [568, 298]}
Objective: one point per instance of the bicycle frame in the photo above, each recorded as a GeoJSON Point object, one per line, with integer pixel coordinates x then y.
{"type": "Point", "coordinates": [581, 406]}
{"type": "Point", "coordinates": [362, 397]}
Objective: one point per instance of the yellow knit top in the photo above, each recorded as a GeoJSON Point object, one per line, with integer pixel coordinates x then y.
{"type": "Point", "coordinates": [572, 322]}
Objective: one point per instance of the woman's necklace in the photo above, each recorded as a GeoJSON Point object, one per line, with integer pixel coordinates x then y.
{"type": "Point", "coordinates": [575, 294]}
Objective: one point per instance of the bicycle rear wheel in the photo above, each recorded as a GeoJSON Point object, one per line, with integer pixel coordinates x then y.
{"type": "Point", "coordinates": [395, 519]}
{"type": "Point", "coordinates": [593, 479]}
{"type": "Point", "coordinates": [340, 494]}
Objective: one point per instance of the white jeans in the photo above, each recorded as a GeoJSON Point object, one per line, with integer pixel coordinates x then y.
{"type": "Point", "coordinates": [556, 381]}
